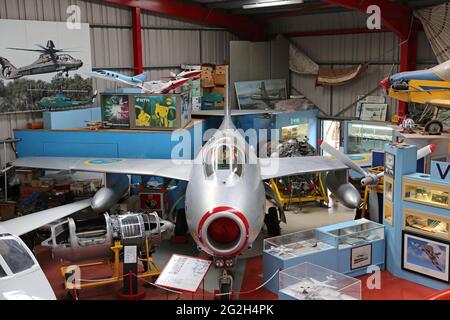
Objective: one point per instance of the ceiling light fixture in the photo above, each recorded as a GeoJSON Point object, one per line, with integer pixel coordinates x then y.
{"type": "Point", "coordinates": [264, 4]}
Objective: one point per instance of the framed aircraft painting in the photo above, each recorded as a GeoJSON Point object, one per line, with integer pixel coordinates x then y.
{"type": "Point", "coordinates": [425, 256]}
{"type": "Point", "coordinates": [260, 94]}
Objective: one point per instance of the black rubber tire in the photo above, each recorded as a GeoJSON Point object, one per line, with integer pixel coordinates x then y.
{"type": "Point", "coordinates": [225, 288]}
{"type": "Point", "coordinates": [434, 126]}
{"type": "Point", "coordinates": [272, 222]}
{"type": "Point", "coordinates": [181, 227]}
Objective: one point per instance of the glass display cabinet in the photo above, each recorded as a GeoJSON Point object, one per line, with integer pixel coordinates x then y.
{"type": "Point", "coordinates": [298, 244]}
{"type": "Point", "coordinates": [362, 232]}
{"type": "Point", "coordinates": [426, 193]}
{"type": "Point", "coordinates": [363, 136]}
{"type": "Point", "coordinates": [308, 281]}
{"type": "Point", "coordinates": [427, 224]}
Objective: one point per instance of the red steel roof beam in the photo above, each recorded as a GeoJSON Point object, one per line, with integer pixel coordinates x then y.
{"type": "Point", "coordinates": [137, 40]}
{"type": "Point", "coordinates": [242, 26]}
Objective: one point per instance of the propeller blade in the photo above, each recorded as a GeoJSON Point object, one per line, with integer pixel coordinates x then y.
{"type": "Point", "coordinates": [342, 157]}
{"type": "Point", "coordinates": [425, 151]}
{"type": "Point", "coordinates": [373, 205]}
{"type": "Point", "coordinates": [21, 49]}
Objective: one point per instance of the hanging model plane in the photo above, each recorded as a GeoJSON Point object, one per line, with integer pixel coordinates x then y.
{"type": "Point", "coordinates": [191, 74]}
{"type": "Point", "coordinates": [60, 100]}
{"type": "Point", "coordinates": [49, 61]}
{"type": "Point", "coordinates": [136, 80]}
{"type": "Point", "coordinates": [430, 87]}
{"type": "Point", "coordinates": [154, 86]}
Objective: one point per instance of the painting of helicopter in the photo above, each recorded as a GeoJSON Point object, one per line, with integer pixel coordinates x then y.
{"type": "Point", "coordinates": [430, 87]}
{"type": "Point", "coordinates": [50, 60]}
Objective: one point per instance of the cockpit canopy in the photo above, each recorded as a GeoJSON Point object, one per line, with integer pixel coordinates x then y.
{"type": "Point", "coordinates": [14, 257]}
{"type": "Point", "coordinates": [224, 156]}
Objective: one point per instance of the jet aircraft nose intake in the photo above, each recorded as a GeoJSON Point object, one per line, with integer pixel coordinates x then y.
{"type": "Point", "coordinates": [224, 231]}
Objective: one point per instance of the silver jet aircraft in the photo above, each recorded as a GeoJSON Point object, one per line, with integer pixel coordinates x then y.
{"type": "Point", "coordinates": [226, 193]}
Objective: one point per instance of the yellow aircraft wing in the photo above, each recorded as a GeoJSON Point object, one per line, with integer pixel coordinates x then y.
{"type": "Point", "coordinates": [442, 103]}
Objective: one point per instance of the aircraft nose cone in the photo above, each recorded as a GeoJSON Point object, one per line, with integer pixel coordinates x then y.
{"type": "Point", "coordinates": [385, 83]}
{"type": "Point", "coordinates": [349, 196]}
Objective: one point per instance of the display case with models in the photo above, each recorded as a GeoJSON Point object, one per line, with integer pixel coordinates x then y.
{"type": "Point", "coordinates": [360, 244]}
{"type": "Point", "coordinates": [430, 225]}
{"type": "Point", "coordinates": [307, 281]}
{"type": "Point", "coordinates": [424, 192]}
{"type": "Point", "coordinates": [364, 136]}
{"type": "Point", "coordinates": [291, 249]}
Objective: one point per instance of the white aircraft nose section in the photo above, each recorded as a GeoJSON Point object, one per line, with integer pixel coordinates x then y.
{"type": "Point", "coordinates": [224, 231]}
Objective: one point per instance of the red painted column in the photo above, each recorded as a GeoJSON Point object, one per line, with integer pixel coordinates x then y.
{"type": "Point", "coordinates": [137, 39]}
{"type": "Point", "coordinates": [408, 58]}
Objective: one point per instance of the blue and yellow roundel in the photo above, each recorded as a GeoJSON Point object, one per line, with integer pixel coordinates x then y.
{"type": "Point", "coordinates": [101, 162]}
{"type": "Point", "coordinates": [359, 158]}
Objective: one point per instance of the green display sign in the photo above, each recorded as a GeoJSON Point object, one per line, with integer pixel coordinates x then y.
{"type": "Point", "coordinates": [295, 120]}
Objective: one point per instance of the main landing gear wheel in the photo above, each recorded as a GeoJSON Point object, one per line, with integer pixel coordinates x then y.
{"type": "Point", "coordinates": [434, 126]}
{"type": "Point", "coordinates": [272, 222]}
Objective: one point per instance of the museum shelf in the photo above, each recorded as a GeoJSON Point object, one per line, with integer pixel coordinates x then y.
{"type": "Point", "coordinates": [427, 224]}
{"type": "Point", "coordinates": [427, 193]}
{"type": "Point", "coordinates": [308, 281]}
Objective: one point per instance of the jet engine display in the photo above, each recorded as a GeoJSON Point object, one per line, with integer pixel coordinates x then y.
{"type": "Point", "coordinates": [91, 239]}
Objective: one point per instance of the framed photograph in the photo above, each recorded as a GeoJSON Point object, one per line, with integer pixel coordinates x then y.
{"type": "Point", "coordinates": [373, 112]}
{"type": "Point", "coordinates": [361, 256]}
{"type": "Point", "coordinates": [260, 94]}
{"type": "Point", "coordinates": [389, 164]}
{"type": "Point", "coordinates": [425, 256]}
{"type": "Point", "coordinates": [115, 110]}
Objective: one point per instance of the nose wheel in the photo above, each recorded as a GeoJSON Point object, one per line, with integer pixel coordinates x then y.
{"type": "Point", "coordinates": [225, 285]}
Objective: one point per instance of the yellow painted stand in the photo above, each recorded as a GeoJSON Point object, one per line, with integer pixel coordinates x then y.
{"type": "Point", "coordinates": [318, 194]}
{"type": "Point", "coordinates": [379, 187]}
{"type": "Point", "coordinates": [117, 276]}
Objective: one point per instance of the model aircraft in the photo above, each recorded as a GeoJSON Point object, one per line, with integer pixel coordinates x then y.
{"type": "Point", "coordinates": [429, 251]}
{"type": "Point", "coordinates": [430, 87]}
{"type": "Point", "coordinates": [155, 86]}
{"type": "Point", "coordinates": [191, 74]}
{"type": "Point", "coordinates": [163, 86]}
{"type": "Point", "coordinates": [21, 277]}
{"type": "Point", "coordinates": [60, 100]}
{"type": "Point", "coordinates": [49, 61]}
{"type": "Point", "coordinates": [312, 289]}
{"type": "Point", "coordinates": [136, 80]}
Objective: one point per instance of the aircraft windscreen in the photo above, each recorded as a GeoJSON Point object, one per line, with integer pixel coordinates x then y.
{"type": "Point", "coordinates": [14, 254]}
{"type": "Point", "coordinates": [2, 272]}
{"type": "Point", "coordinates": [224, 157]}
{"type": "Point", "coordinates": [443, 70]}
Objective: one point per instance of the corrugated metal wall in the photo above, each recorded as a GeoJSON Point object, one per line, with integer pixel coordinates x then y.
{"type": "Point", "coordinates": [381, 50]}
{"type": "Point", "coordinates": [167, 43]}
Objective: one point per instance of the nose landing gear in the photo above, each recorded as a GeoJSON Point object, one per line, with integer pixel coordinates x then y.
{"type": "Point", "coordinates": [225, 285]}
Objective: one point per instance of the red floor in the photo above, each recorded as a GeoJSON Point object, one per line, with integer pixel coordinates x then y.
{"type": "Point", "coordinates": [392, 288]}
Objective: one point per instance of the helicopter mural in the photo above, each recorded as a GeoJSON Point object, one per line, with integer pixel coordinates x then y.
{"type": "Point", "coordinates": [50, 60]}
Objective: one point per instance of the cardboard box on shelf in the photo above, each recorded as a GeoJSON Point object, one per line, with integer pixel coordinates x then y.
{"type": "Point", "coordinates": [222, 69]}
{"type": "Point", "coordinates": [207, 68]}
{"type": "Point", "coordinates": [220, 79]}
{"type": "Point", "coordinates": [207, 83]}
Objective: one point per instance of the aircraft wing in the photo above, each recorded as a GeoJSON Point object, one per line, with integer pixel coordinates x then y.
{"type": "Point", "coordinates": [282, 167]}
{"type": "Point", "coordinates": [21, 225]}
{"type": "Point", "coordinates": [220, 113]}
{"type": "Point", "coordinates": [439, 103]}
{"type": "Point", "coordinates": [173, 169]}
